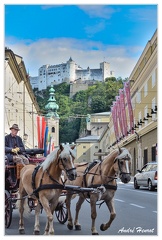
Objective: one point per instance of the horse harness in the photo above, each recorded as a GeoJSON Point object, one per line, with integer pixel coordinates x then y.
{"type": "Point", "coordinates": [99, 162]}
{"type": "Point", "coordinates": [87, 171]}
{"type": "Point", "coordinates": [119, 164]}
{"type": "Point", "coordinates": [57, 185]}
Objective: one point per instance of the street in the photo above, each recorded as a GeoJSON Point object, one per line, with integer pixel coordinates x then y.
{"type": "Point", "coordinates": [136, 214]}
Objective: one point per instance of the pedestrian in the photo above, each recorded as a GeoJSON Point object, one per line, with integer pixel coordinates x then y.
{"type": "Point", "coordinates": [14, 147]}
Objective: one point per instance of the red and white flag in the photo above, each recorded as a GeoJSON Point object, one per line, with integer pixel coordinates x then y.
{"type": "Point", "coordinates": [41, 126]}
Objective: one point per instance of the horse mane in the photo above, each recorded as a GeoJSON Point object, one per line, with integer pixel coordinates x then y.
{"type": "Point", "coordinates": [111, 154]}
{"type": "Point", "coordinates": [53, 156]}
{"type": "Point", "coordinates": [49, 159]}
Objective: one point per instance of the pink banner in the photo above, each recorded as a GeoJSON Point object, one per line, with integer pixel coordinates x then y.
{"type": "Point", "coordinates": [123, 112]}
{"type": "Point", "coordinates": [115, 118]}
{"type": "Point", "coordinates": [130, 110]}
{"type": "Point", "coordinates": [120, 116]}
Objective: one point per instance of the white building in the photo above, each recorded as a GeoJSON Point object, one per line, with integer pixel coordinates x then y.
{"type": "Point", "coordinates": [20, 105]}
{"type": "Point", "coordinates": [68, 72]}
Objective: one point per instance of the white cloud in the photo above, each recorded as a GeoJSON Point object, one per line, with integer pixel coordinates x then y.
{"type": "Point", "coordinates": [56, 51]}
{"type": "Point", "coordinates": [100, 11]}
{"type": "Point", "coordinates": [95, 28]}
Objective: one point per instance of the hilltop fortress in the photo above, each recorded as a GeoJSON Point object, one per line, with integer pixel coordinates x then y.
{"type": "Point", "coordinates": [71, 73]}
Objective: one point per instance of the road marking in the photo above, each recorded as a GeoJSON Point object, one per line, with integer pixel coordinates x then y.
{"type": "Point", "coordinates": [154, 211]}
{"type": "Point", "coordinates": [135, 205]}
{"type": "Point", "coordinates": [119, 200]}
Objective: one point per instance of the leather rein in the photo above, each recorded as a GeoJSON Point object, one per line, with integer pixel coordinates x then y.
{"type": "Point", "coordinates": [55, 185]}
{"type": "Point", "coordinates": [107, 186]}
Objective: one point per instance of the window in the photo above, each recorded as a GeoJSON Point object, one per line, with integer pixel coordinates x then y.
{"type": "Point", "coordinates": [53, 130]}
{"type": "Point", "coordinates": [153, 151]}
{"type": "Point", "coordinates": [154, 167]}
{"type": "Point", "coordinates": [153, 79]}
{"type": "Point", "coordinates": [145, 156]}
{"type": "Point", "coordinates": [84, 146]}
{"type": "Point", "coordinates": [133, 103]}
{"type": "Point", "coordinates": [138, 97]}
{"type": "Point", "coordinates": [145, 89]}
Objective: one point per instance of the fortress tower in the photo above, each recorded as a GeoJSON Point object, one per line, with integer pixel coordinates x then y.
{"type": "Point", "coordinates": [71, 70]}
{"type": "Point", "coordinates": [105, 66]}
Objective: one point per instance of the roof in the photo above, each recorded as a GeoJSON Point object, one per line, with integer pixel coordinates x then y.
{"type": "Point", "coordinates": [90, 138]}
{"type": "Point", "coordinates": [101, 114]}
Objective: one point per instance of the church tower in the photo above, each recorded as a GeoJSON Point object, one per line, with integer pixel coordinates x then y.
{"type": "Point", "coordinates": [52, 118]}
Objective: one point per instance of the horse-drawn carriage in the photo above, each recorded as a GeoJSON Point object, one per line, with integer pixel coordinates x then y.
{"type": "Point", "coordinates": [43, 185]}
{"type": "Point", "coordinates": [12, 178]}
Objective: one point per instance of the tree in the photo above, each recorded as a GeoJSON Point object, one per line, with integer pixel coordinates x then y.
{"type": "Point", "coordinates": [98, 104]}
{"type": "Point", "coordinates": [97, 98]}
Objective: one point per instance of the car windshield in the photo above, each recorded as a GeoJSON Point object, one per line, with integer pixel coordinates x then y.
{"type": "Point", "coordinates": [149, 167]}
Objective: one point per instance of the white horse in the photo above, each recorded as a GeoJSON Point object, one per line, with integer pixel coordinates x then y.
{"type": "Point", "coordinates": [48, 174]}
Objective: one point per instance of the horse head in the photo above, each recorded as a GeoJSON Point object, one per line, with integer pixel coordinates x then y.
{"type": "Point", "coordinates": [122, 163]}
{"type": "Point", "coordinates": [66, 156]}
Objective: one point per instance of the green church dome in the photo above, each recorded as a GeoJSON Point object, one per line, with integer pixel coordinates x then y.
{"type": "Point", "coordinates": [52, 106]}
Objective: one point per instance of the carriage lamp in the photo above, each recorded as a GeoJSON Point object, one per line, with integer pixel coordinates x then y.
{"type": "Point", "coordinates": [25, 137]}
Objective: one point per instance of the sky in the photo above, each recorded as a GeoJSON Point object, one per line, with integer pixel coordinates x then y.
{"type": "Point", "coordinates": [114, 31]}
{"type": "Point", "coordinates": [90, 34]}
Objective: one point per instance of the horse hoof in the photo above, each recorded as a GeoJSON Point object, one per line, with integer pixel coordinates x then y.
{"type": "Point", "coordinates": [36, 232]}
{"type": "Point", "coordinates": [102, 227]}
{"type": "Point", "coordinates": [77, 227]}
{"type": "Point", "coordinates": [21, 231]}
{"type": "Point", "coordinates": [96, 233]}
{"type": "Point", "coordinates": [70, 227]}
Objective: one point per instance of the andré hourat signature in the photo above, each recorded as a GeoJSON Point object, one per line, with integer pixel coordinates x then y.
{"type": "Point", "coordinates": [139, 230]}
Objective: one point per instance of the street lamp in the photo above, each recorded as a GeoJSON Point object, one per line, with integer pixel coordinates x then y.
{"type": "Point", "coordinates": [25, 137]}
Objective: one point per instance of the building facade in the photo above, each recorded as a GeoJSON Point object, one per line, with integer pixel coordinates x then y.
{"type": "Point", "coordinates": [20, 105]}
{"type": "Point", "coordinates": [142, 141]}
{"type": "Point", "coordinates": [96, 138]}
{"type": "Point", "coordinates": [68, 72]}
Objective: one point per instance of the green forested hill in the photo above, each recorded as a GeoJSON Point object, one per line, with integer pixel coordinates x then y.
{"type": "Point", "coordinates": [97, 98]}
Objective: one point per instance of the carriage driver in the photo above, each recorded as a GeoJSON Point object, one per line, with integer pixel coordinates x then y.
{"type": "Point", "coordinates": [14, 147]}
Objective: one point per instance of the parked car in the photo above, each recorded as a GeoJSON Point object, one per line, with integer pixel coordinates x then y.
{"type": "Point", "coordinates": [147, 176]}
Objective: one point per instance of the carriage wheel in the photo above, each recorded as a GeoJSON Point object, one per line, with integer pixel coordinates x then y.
{"type": "Point", "coordinates": [8, 209]}
{"type": "Point", "coordinates": [61, 213]}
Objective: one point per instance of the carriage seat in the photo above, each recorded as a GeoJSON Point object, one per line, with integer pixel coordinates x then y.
{"type": "Point", "coordinates": [34, 151]}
